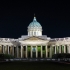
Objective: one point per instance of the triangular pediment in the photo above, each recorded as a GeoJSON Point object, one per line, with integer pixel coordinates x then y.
{"type": "Point", "coordinates": [33, 38]}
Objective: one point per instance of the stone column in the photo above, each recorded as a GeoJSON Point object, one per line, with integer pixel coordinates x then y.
{"type": "Point", "coordinates": [31, 51]}
{"type": "Point", "coordinates": [64, 49]}
{"type": "Point", "coordinates": [59, 49]}
{"type": "Point", "coordinates": [26, 51]}
{"type": "Point", "coordinates": [3, 49]}
{"type": "Point", "coordinates": [50, 51]}
{"type": "Point", "coordinates": [8, 49]}
{"type": "Point", "coordinates": [0, 49]}
{"type": "Point", "coordinates": [46, 52]}
{"type": "Point", "coordinates": [21, 51]}
{"type": "Point", "coordinates": [68, 47]}
{"type": "Point", "coordinates": [36, 52]}
{"type": "Point", "coordinates": [13, 50]}
{"type": "Point", "coordinates": [41, 52]}
{"type": "Point", "coordinates": [17, 51]}
{"type": "Point", "coordinates": [55, 49]}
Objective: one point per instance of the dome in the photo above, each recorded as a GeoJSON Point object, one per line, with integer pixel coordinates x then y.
{"type": "Point", "coordinates": [34, 23]}
{"type": "Point", "coordinates": [34, 28]}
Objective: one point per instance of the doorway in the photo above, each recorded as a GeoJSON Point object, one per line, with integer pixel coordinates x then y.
{"type": "Point", "coordinates": [34, 51]}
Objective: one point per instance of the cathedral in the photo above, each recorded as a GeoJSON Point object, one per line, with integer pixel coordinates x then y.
{"type": "Point", "coordinates": [34, 44]}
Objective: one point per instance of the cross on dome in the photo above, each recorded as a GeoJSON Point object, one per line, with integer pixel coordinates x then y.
{"type": "Point", "coordinates": [34, 18]}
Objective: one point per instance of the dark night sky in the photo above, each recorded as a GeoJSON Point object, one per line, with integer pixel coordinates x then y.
{"type": "Point", "coordinates": [16, 16]}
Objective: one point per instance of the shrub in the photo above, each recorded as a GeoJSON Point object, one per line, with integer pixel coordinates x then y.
{"type": "Point", "coordinates": [61, 55]}
{"type": "Point", "coordinates": [6, 56]}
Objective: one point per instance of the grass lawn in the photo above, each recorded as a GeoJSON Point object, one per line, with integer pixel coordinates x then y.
{"type": "Point", "coordinates": [33, 66]}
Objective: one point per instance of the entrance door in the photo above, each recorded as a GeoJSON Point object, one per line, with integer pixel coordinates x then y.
{"type": "Point", "coordinates": [34, 51]}
{"type": "Point", "coordinates": [34, 54]}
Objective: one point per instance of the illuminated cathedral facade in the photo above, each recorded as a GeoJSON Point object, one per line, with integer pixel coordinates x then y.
{"type": "Point", "coordinates": [34, 45]}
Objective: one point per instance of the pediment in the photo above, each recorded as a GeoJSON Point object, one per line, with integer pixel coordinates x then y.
{"type": "Point", "coordinates": [33, 38]}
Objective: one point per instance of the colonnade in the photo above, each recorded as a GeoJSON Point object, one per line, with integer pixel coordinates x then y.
{"type": "Point", "coordinates": [31, 51]}
{"type": "Point", "coordinates": [54, 49]}
{"type": "Point", "coordinates": [7, 49]}
{"type": "Point", "coordinates": [18, 51]}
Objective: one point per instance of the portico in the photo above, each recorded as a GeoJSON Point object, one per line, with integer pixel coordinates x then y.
{"type": "Point", "coordinates": [34, 52]}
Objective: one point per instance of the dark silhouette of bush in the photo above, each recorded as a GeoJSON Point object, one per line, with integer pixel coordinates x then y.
{"type": "Point", "coordinates": [6, 56]}
{"type": "Point", "coordinates": [61, 55]}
